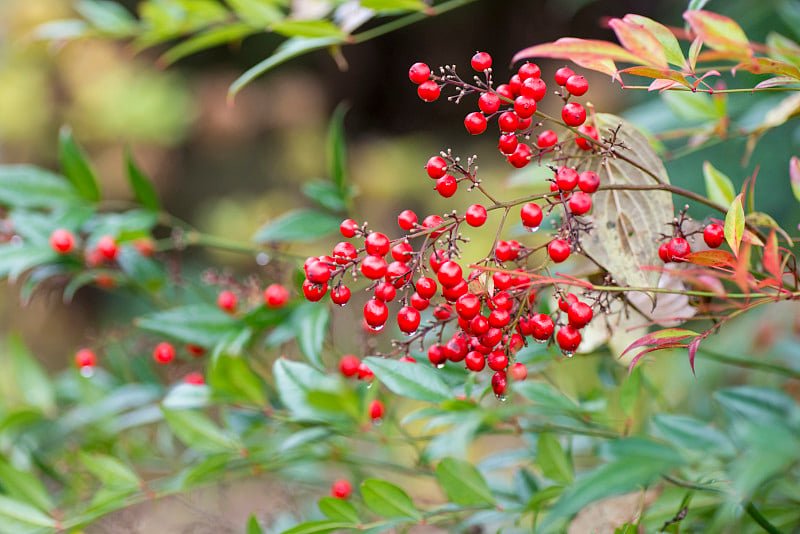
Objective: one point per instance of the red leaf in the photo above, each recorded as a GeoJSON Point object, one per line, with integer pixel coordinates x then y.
{"type": "Point", "coordinates": [661, 337]}
{"type": "Point", "coordinates": [693, 351]}
{"type": "Point", "coordinates": [741, 274]}
{"type": "Point", "coordinates": [653, 349]}
{"type": "Point", "coordinates": [662, 85]}
{"type": "Point", "coordinates": [639, 41]}
{"type": "Point", "coordinates": [772, 258]}
{"type": "Point", "coordinates": [712, 258]}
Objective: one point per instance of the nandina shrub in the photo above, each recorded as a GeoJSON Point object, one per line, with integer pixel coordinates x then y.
{"type": "Point", "coordinates": [592, 265]}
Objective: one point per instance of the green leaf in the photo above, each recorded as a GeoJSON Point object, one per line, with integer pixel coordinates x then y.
{"type": "Point", "coordinates": [199, 324]}
{"type": "Point", "coordinates": [542, 496]}
{"type": "Point", "coordinates": [545, 396]}
{"type": "Point", "coordinates": [186, 396]}
{"type": "Point", "coordinates": [629, 391]}
{"type": "Point", "coordinates": [337, 150]}
{"type": "Point", "coordinates": [387, 500]}
{"type": "Point", "coordinates": [794, 176]}
{"type": "Point", "coordinates": [199, 432]}
{"type": "Point", "coordinates": [294, 381]}
{"type": "Point", "coordinates": [734, 224]}
{"type": "Point", "coordinates": [25, 486]}
{"type": "Point", "coordinates": [232, 376]}
{"type": "Point", "coordinates": [252, 525]}
{"type": "Point", "coordinates": [463, 483]}
{"type": "Point", "coordinates": [327, 194]}
{"type": "Point", "coordinates": [26, 186]}
{"type": "Point", "coordinates": [257, 13]}
{"type": "Point", "coordinates": [24, 513]}
{"type": "Point", "coordinates": [308, 29]}
{"type": "Point", "coordinates": [297, 226]}
{"type": "Point", "coordinates": [141, 185]}
{"type": "Point", "coordinates": [143, 271]}
{"type": "Point", "coordinates": [719, 32]}
{"type": "Point", "coordinates": [339, 510]}
{"type": "Point", "coordinates": [412, 380]}
{"type": "Point", "coordinates": [758, 403]}
{"type": "Point", "coordinates": [318, 527]}
{"type": "Point", "coordinates": [110, 471]}
{"type": "Point", "coordinates": [394, 5]}
{"type": "Point", "coordinates": [108, 17]}
{"type": "Point", "coordinates": [15, 259]}
{"type": "Point", "coordinates": [289, 49]}
{"type": "Point", "coordinates": [207, 39]}
{"type": "Point", "coordinates": [669, 43]}
{"type": "Point", "coordinates": [693, 434]}
{"type": "Point", "coordinates": [76, 167]}
{"type": "Point", "coordinates": [553, 460]}
{"type": "Point", "coordinates": [29, 377]}
{"type": "Point", "coordinates": [719, 187]}
{"type": "Point", "coordinates": [310, 323]}
{"type": "Point", "coordinates": [692, 107]}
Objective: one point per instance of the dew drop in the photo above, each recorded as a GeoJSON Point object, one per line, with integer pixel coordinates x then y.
{"type": "Point", "coordinates": [440, 365]}
{"type": "Point", "coordinates": [262, 258]}
{"type": "Point", "coordinates": [87, 371]}
{"type": "Point", "coordinates": [531, 229]}
{"type": "Point", "coordinates": [542, 341]}
{"type": "Point", "coordinates": [342, 305]}
{"type": "Point", "coordinates": [568, 353]}
{"type": "Point", "coordinates": [377, 422]}
{"type": "Point", "coordinates": [502, 398]}
{"type": "Point", "coordinates": [376, 328]}
{"type": "Point", "coordinates": [369, 385]}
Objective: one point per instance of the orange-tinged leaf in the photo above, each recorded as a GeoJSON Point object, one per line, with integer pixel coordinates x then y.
{"type": "Point", "coordinates": [719, 32]}
{"type": "Point", "coordinates": [712, 258]}
{"type": "Point", "coordinates": [741, 274]}
{"type": "Point", "coordinates": [662, 74]}
{"type": "Point", "coordinates": [606, 66]}
{"type": "Point", "coordinates": [765, 65]}
{"type": "Point", "coordinates": [772, 258]}
{"type": "Point", "coordinates": [653, 349]}
{"type": "Point", "coordinates": [579, 49]}
{"type": "Point", "coordinates": [750, 237]}
{"type": "Point", "coordinates": [639, 41]}
{"type": "Point", "coordinates": [662, 85]}
{"type": "Point", "coordinates": [667, 39]}
{"type": "Point", "coordinates": [734, 224]}
{"type": "Point", "coordinates": [777, 81]}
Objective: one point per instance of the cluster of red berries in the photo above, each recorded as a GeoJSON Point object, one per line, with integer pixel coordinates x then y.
{"type": "Point", "coordinates": [678, 248]}
{"type": "Point", "coordinates": [514, 104]}
{"type": "Point", "coordinates": [86, 360]}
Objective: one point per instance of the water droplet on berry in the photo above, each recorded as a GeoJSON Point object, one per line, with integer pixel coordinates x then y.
{"type": "Point", "coordinates": [87, 371]}
{"type": "Point", "coordinates": [531, 229]}
{"type": "Point", "coordinates": [502, 398]}
{"type": "Point", "coordinates": [369, 385]}
{"type": "Point", "coordinates": [376, 328]}
{"type": "Point", "coordinates": [262, 258]}
{"type": "Point", "coordinates": [542, 341]}
{"type": "Point", "coordinates": [342, 305]}
{"type": "Point", "coordinates": [568, 353]}
{"type": "Point", "coordinates": [440, 365]}
{"type": "Point", "coordinates": [377, 422]}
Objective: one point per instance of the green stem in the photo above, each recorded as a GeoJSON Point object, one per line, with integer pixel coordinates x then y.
{"type": "Point", "coordinates": [402, 22]}
{"type": "Point", "coordinates": [762, 521]}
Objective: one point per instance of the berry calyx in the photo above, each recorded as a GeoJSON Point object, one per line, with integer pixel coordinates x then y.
{"type": "Point", "coordinates": [558, 250]}
{"type": "Point", "coordinates": [85, 358]}
{"type": "Point", "coordinates": [429, 91]}
{"type": "Point", "coordinates": [62, 241]}
{"type": "Point", "coordinates": [531, 215]}
{"type": "Point", "coordinates": [164, 353]}
{"type": "Point", "coordinates": [348, 365]}
{"type": "Point", "coordinates": [475, 123]}
{"type": "Point", "coordinates": [227, 301]}
{"type": "Point", "coordinates": [419, 72]}
{"type": "Point", "coordinates": [713, 235]}
{"type": "Point", "coordinates": [481, 61]}
{"type": "Point", "coordinates": [475, 215]}
{"type": "Point", "coordinates": [276, 296]}
{"type": "Point", "coordinates": [341, 489]}
{"type": "Point", "coordinates": [573, 114]}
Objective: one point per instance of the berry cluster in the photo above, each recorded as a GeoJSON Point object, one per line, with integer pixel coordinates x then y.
{"type": "Point", "coordinates": [677, 248]}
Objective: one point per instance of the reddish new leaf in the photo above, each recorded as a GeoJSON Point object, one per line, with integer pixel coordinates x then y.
{"type": "Point", "coordinates": [662, 85]}
{"type": "Point", "coordinates": [579, 50]}
{"type": "Point", "coordinates": [772, 258]}
{"type": "Point", "coordinates": [639, 41]}
{"type": "Point", "coordinates": [653, 349]}
{"type": "Point", "coordinates": [719, 32]}
{"type": "Point", "coordinates": [667, 39]}
{"type": "Point", "coordinates": [693, 350]}
{"type": "Point", "coordinates": [764, 65]}
{"type": "Point", "coordinates": [778, 81]}
{"type": "Point", "coordinates": [661, 337]}
{"type": "Point", "coordinates": [712, 258]}
{"type": "Point", "coordinates": [661, 74]}
{"type": "Point", "coordinates": [741, 274]}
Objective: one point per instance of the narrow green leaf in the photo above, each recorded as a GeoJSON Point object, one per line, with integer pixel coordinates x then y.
{"type": "Point", "coordinates": [463, 483]}
{"type": "Point", "coordinates": [233, 377]}
{"type": "Point", "coordinates": [141, 185]}
{"type": "Point", "coordinates": [327, 194]}
{"type": "Point", "coordinates": [553, 460]}
{"type": "Point", "coordinates": [294, 381]}
{"type": "Point", "coordinates": [758, 403]}
{"type": "Point", "coordinates": [30, 378]}
{"type": "Point", "coordinates": [200, 324]}
{"type": "Point", "coordinates": [536, 500]}
{"type": "Point", "coordinates": [207, 39]}
{"type": "Point", "coordinates": [26, 186]}
{"type": "Point", "coordinates": [15, 259]}
{"type": "Point", "coordinates": [339, 510]}
{"type": "Point", "coordinates": [297, 226]}
{"type": "Point", "coordinates": [143, 271]}
{"type": "Point", "coordinates": [108, 17]}
{"type": "Point", "coordinates": [111, 472]}
{"type": "Point", "coordinates": [25, 486]}
{"type": "Point", "coordinates": [629, 391]}
{"type": "Point", "coordinates": [186, 396]}
{"type": "Point", "coordinates": [696, 4]}
{"type": "Point", "coordinates": [387, 500]}
{"type": "Point", "coordinates": [252, 525]}
{"type": "Point", "coordinates": [395, 5]}
{"type": "Point", "coordinates": [289, 49]}
{"type": "Point", "coordinates": [412, 380]}
{"type": "Point", "coordinates": [76, 166]}
{"type": "Point", "coordinates": [545, 396]}
{"type": "Point", "coordinates": [667, 39]}
{"type": "Point", "coordinates": [734, 224]}
{"type": "Point", "coordinates": [257, 13]}
{"type": "Point", "coordinates": [318, 527]}
{"type": "Point", "coordinates": [337, 151]}
{"type": "Point", "coordinates": [310, 322]}
{"type": "Point", "coordinates": [23, 512]}
{"type": "Point", "coordinates": [199, 432]}
{"type": "Point", "coordinates": [308, 29]}
{"type": "Point", "coordinates": [693, 434]}
{"type": "Point", "coordinates": [719, 187]}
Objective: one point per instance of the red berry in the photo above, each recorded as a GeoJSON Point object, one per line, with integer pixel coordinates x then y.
{"type": "Point", "coordinates": [492, 337]}
{"type": "Point", "coordinates": [62, 241]}
{"type": "Point", "coordinates": [348, 228]}
{"type": "Point", "coordinates": [499, 318]}
{"type": "Point", "coordinates": [85, 358]}
{"type": "Point", "coordinates": [407, 219]}
{"type": "Point", "coordinates": [407, 358]}
{"type": "Point", "coordinates": [314, 292]}
{"type": "Point", "coordinates": [542, 326]}
{"type": "Point", "coordinates": [436, 355]}
{"type": "Point", "coordinates": [340, 295]}
{"type": "Point", "coordinates": [475, 123]}
{"type": "Point", "coordinates": [194, 378]}
{"type": "Point", "coordinates": [588, 131]}
{"type": "Point", "coordinates": [531, 215]}
{"type": "Point", "coordinates": [107, 246]}
{"type": "Point", "coordinates": [436, 167]}
{"type": "Point", "coordinates": [524, 124]}
{"type": "Point", "coordinates": [341, 488]}
{"type": "Point", "coordinates": [588, 181]}
{"type": "Point", "coordinates": [428, 91]}
{"type": "Point", "coordinates": [489, 103]}
{"type": "Point", "coordinates": [677, 249]}
{"type": "Point", "coordinates": [419, 72]}
{"type": "Point", "coordinates": [504, 91]}
{"type": "Point", "coordinates": [365, 373]}
{"type": "Point", "coordinates": [446, 186]}
{"type": "Point", "coordinates": [663, 252]}
{"type": "Point", "coordinates": [501, 281]}
{"type": "Point", "coordinates": [276, 296]}
{"type": "Point", "coordinates": [438, 257]}
{"type": "Point", "coordinates": [579, 314]}
{"type": "Point", "coordinates": [453, 292]}
{"type": "Point", "coordinates": [373, 267]}
{"type": "Point", "coordinates": [164, 352]}
{"type": "Point", "coordinates": [449, 274]}
{"type": "Point", "coordinates": [408, 319]}
{"type": "Point", "coordinates": [563, 74]}
{"type": "Point", "coordinates": [456, 348]}
{"type": "Point", "coordinates": [443, 312]}
{"type": "Point", "coordinates": [568, 338]}
{"type": "Point", "coordinates": [713, 235]}
{"type": "Point", "coordinates": [534, 88]}
{"type": "Point", "coordinates": [547, 139]}
{"type": "Point", "coordinates": [317, 272]}
{"type": "Point", "coordinates": [468, 306]}
{"type": "Point", "coordinates": [566, 178]}
{"type": "Point", "coordinates": [529, 70]}
{"type": "Point", "coordinates": [475, 361]}
{"type": "Point", "coordinates": [518, 372]}
{"type": "Point", "coordinates": [508, 143]}
{"type": "Point", "coordinates": [344, 252]}
{"type": "Point", "coordinates": [514, 84]}
{"type": "Point", "coordinates": [419, 302]}
{"type": "Point", "coordinates": [481, 61]}
{"type": "Point", "coordinates": [524, 106]}
{"type": "Point", "coordinates": [145, 246]}
{"type": "Point", "coordinates": [475, 215]}
{"type": "Point", "coordinates": [559, 250]}
{"type": "Point", "coordinates": [577, 85]}
{"type": "Point", "coordinates": [501, 301]}
{"type": "Point", "coordinates": [568, 300]}
{"type": "Point", "coordinates": [521, 156]}
{"type": "Point", "coordinates": [402, 251]}
{"type": "Point", "coordinates": [497, 360]}
{"type": "Point", "coordinates": [348, 365]}
{"type": "Point", "coordinates": [385, 291]}
{"type": "Point", "coordinates": [499, 384]}
{"type": "Point", "coordinates": [505, 251]}
{"type": "Point", "coordinates": [573, 114]}
{"type": "Point", "coordinates": [479, 325]}
{"type": "Point", "coordinates": [432, 221]}
{"type": "Point", "coordinates": [227, 301]}
{"type": "Point", "coordinates": [426, 287]}
{"type": "Point", "coordinates": [377, 244]}
{"type": "Point", "coordinates": [376, 313]}
{"type": "Point", "coordinates": [580, 203]}
{"type": "Point", "coordinates": [508, 121]}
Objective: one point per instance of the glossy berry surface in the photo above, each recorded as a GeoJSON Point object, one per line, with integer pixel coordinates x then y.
{"type": "Point", "coordinates": [576, 85]}
{"type": "Point", "coordinates": [531, 215]}
{"type": "Point", "coordinates": [408, 319]}
{"type": "Point", "coordinates": [85, 358]}
{"type": "Point", "coordinates": [481, 61]}
{"type": "Point", "coordinates": [164, 352]}
{"type": "Point", "coordinates": [547, 139]}
{"type": "Point", "coordinates": [589, 131]}
{"type": "Point", "coordinates": [446, 186]}
{"type": "Point", "coordinates": [407, 219]}
{"type": "Point", "coordinates": [227, 301]}
{"type": "Point", "coordinates": [429, 91]}
{"type": "Point", "coordinates": [579, 314]}
{"type": "Point", "coordinates": [518, 372]}
{"type": "Point", "coordinates": [475, 215]}
{"type": "Point", "coordinates": [568, 338]}
{"type": "Point", "coordinates": [573, 114]}
{"type": "Point", "coordinates": [521, 156]}
{"type": "Point", "coordinates": [542, 326]}
{"type": "Point", "coordinates": [588, 182]}
{"type": "Point", "coordinates": [107, 246]}
{"type": "Point", "coordinates": [62, 241]}
{"type": "Point", "coordinates": [348, 228]}
{"type": "Point", "coordinates": [559, 250]}
{"type": "Point", "coordinates": [580, 203]}
{"type": "Point", "coordinates": [376, 313]}
{"type": "Point", "coordinates": [529, 70]}
{"type": "Point", "coordinates": [373, 267]}
{"type": "Point", "coordinates": [475, 123]}
{"type": "Point", "coordinates": [340, 295]}
{"type": "Point", "coordinates": [276, 296]}
{"type": "Point", "coordinates": [563, 74]}
{"type": "Point", "coordinates": [419, 72]}
{"type": "Point", "coordinates": [449, 274]}
{"type": "Point", "coordinates": [566, 178]}
{"type": "Point", "coordinates": [713, 235]}
{"type": "Point", "coordinates": [677, 249]}
{"type": "Point", "coordinates": [508, 121]}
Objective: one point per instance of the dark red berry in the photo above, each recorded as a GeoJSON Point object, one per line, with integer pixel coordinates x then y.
{"type": "Point", "coordinates": [318, 273]}
{"type": "Point", "coordinates": [449, 274]}
{"type": "Point", "coordinates": [521, 156]}
{"type": "Point", "coordinates": [446, 186]}
{"type": "Point", "coordinates": [499, 318]}
{"type": "Point", "coordinates": [407, 219]}
{"type": "Point", "coordinates": [376, 410]}
{"type": "Point", "coordinates": [408, 319]}
{"type": "Point", "coordinates": [514, 84]}
{"type": "Point", "coordinates": [588, 181]}
{"type": "Point", "coordinates": [568, 338]}
{"type": "Point", "coordinates": [419, 72]}
{"type": "Point", "coordinates": [573, 114]}
{"type": "Point", "coordinates": [481, 61]}
{"type": "Point", "coordinates": [426, 287]}
{"type": "Point", "coordinates": [348, 365]}
{"type": "Point", "coordinates": [580, 203]}
{"type": "Point", "coordinates": [479, 325]}
{"type": "Point", "coordinates": [475, 215]}
{"type": "Point", "coordinates": [504, 91]}
{"type": "Point", "coordinates": [663, 252]}
{"type": "Point", "coordinates": [577, 85]}
{"type": "Point", "coordinates": [489, 103]}
{"type": "Point", "coordinates": [499, 383]}
{"type": "Point", "coordinates": [547, 139]}
{"type": "Point", "coordinates": [453, 292]}
{"type": "Point", "coordinates": [559, 250]}
{"type": "Point", "coordinates": [713, 235]}
{"type": "Point", "coordinates": [531, 215]}
{"type": "Point", "coordinates": [542, 326]}
{"type": "Point", "coordinates": [475, 123]}
{"type": "Point", "coordinates": [501, 281]}
{"type": "Point", "coordinates": [376, 313]}
{"type": "Point", "coordinates": [436, 355]}
{"type": "Point", "coordinates": [677, 249]}
{"type": "Point", "coordinates": [456, 348]}
{"type": "Point", "coordinates": [428, 91]}
{"type": "Point", "coordinates": [579, 314]}
{"type": "Point", "coordinates": [563, 74]}
{"type": "Point", "coordinates": [568, 300]}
